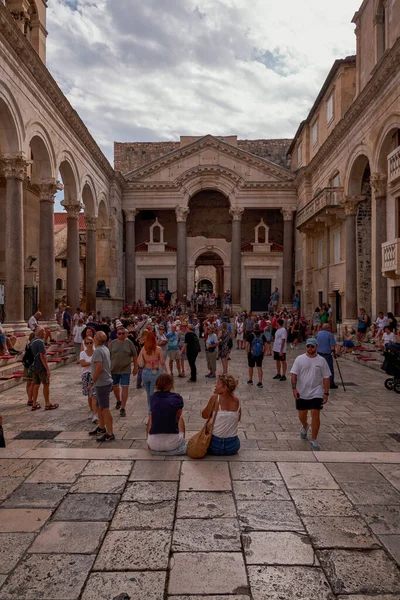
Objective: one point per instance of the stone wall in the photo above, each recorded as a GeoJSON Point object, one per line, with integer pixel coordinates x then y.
{"type": "Point", "coordinates": [132, 155]}
{"type": "Point", "coordinates": [364, 224]}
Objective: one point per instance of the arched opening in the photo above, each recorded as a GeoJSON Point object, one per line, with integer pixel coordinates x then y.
{"type": "Point", "coordinates": [88, 200]}
{"type": "Point", "coordinates": [205, 286]}
{"type": "Point", "coordinates": [8, 144]}
{"type": "Point", "coordinates": [59, 285]}
{"type": "Point", "coordinates": [209, 267]}
{"type": "Point", "coordinates": [360, 185]}
{"type": "Point", "coordinates": [204, 204]}
{"type": "Point", "coordinates": [67, 177]}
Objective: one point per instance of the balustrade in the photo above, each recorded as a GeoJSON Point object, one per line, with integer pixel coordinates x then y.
{"type": "Point", "coordinates": [391, 258]}
{"type": "Point", "coordinates": [394, 165]}
{"type": "Point", "coordinates": [324, 199]}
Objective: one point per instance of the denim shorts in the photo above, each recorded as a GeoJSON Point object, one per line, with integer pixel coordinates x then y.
{"type": "Point", "coordinates": [224, 446]}
{"type": "Point", "coordinates": [122, 379]}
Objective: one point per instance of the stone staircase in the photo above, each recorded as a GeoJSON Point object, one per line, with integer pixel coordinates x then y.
{"type": "Point", "coordinates": [11, 368]}
{"type": "Point", "coordinates": [368, 355]}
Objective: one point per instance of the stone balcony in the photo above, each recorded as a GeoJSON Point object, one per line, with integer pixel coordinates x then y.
{"type": "Point", "coordinates": [328, 198]}
{"type": "Point", "coordinates": [394, 166]}
{"type": "Point", "coordinates": [391, 259]}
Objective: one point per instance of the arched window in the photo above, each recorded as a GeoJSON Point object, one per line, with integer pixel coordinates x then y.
{"type": "Point", "coordinates": [59, 285]}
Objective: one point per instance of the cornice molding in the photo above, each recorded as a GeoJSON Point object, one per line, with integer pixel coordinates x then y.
{"type": "Point", "coordinates": [26, 56]}
{"type": "Point", "coordinates": [384, 70]}
{"type": "Point", "coordinates": [209, 141]}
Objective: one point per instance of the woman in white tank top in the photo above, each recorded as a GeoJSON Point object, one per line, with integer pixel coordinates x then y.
{"type": "Point", "coordinates": [225, 440]}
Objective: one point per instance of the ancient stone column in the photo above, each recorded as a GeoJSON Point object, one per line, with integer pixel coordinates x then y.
{"type": "Point", "coordinates": [288, 273]}
{"type": "Point", "coordinates": [48, 188]}
{"type": "Point", "coordinates": [181, 252]}
{"type": "Point", "coordinates": [73, 253]}
{"type": "Point", "coordinates": [379, 300]}
{"type": "Point", "coordinates": [130, 257]}
{"type": "Point", "coordinates": [91, 277]}
{"type": "Point", "coordinates": [15, 173]}
{"type": "Point", "coordinates": [236, 255]}
{"type": "Point", "coordinates": [350, 204]}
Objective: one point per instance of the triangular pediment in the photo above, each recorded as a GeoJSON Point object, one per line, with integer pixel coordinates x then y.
{"type": "Point", "coordinates": [209, 155]}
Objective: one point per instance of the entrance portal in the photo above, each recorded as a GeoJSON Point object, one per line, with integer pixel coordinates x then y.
{"type": "Point", "coordinates": [209, 269]}
{"type": "Point", "coordinates": [260, 294]}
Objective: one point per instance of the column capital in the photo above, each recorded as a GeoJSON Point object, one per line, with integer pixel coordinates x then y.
{"type": "Point", "coordinates": [48, 188]}
{"type": "Point", "coordinates": [287, 212]}
{"type": "Point", "coordinates": [181, 213]}
{"type": "Point", "coordinates": [350, 204]}
{"type": "Point", "coordinates": [15, 166]}
{"type": "Point", "coordinates": [130, 215]}
{"type": "Point", "coordinates": [73, 208]}
{"type": "Point", "coordinates": [236, 212]}
{"type": "Point", "coordinates": [379, 184]}
{"type": "Point", "coordinates": [91, 221]}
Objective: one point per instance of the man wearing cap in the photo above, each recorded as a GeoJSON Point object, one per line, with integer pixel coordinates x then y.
{"type": "Point", "coordinates": [310, 384]}
{"type": "Point", "coordinates": [326, 347]}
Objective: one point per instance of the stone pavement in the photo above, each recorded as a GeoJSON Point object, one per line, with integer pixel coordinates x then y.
{"type": "Point", "coordinates": [277, 521]}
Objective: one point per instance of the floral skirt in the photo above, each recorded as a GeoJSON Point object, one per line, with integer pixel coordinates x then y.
{"type": "Point", "coordinates": [88, 387]}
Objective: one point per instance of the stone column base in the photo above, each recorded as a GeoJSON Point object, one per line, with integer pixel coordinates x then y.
{"type": "Point", "coordinates": [236, 308]}
{"type": "Point", "coordinates": [17, 327]}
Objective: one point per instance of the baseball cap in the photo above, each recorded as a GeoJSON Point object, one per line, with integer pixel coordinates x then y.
{"type": "Point", "coordinates": [312, 341]}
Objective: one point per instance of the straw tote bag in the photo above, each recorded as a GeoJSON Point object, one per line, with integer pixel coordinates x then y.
{"type": "Point", "coordinates": [199, 443]}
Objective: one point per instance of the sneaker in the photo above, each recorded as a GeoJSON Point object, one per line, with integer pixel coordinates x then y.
{"type": "Point", "coordinates": [303, 433]}
{"type": "Point", "coordinates": [250, 382]}
{"type": "Point", "coordinates": [122, 412]}
{"type": "Point", "coordinates": [208, 375]}
{"type": "Point", "coordinates": [95, 419]}
{"type": "Point", "coordinates": [259, 384]}
{"type": "Point", "coordinates": [213, 376]}
{"type": "Point", "coordinates": [277, 376]}
{"type": "Point", "coordinates": [314, 445]}
{"type": "Point", "coordinates": [283, 378]}
{"type": "Point", "coordinates": [90, 416]}
{"type": "Point", "coordinates": [97, 431]}
{"type": "Point", "coordinates": [118, 405]}
{"type": "Point", "coordinates": [106, 438]}
{"type": "Point", "coordinates": [334, 386]}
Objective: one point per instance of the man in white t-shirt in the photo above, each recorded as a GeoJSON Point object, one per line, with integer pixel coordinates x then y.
{"type": "Point", "coordinates": [310, 384]}
{"type": "Point", "coordinates": [279, 349]}
{"type": "Point", "coordinates": [33, 321]}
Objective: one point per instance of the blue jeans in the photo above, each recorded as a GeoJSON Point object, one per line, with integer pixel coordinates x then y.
{"type": "Point", "coordinates": [149, 382]}
{"type": "Point", "coordinates": [224, 446]}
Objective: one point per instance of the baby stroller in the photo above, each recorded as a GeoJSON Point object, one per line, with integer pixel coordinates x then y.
{"type": "Point", "coordinates": [391, 366]}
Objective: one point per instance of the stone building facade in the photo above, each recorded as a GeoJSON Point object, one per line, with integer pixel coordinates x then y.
{"type": "Point", "coordinates": [44, 147]}
{"type": "Point", "coordinates": [346, 156]}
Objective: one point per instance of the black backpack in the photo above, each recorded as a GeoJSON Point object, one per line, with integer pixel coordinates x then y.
{"type": "Point", "coordinates": [29, 357]}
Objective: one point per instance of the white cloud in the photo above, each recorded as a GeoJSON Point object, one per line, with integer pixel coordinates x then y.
{"type": "Point", "coordinates": [138, 71]}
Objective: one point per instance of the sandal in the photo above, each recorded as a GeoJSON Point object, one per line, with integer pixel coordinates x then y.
{"type": "Point", "coordinates": [51, 407]}
{"type": "Point", "coordinates": [36, 407]}
{"type": "Point", "coordinates": [30, 403]}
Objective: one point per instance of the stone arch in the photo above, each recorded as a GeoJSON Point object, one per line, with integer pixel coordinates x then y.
{"type": "Point", "coordinates": [204, 249]}
{"type": "Point", "coordinates": [388, 140]}
{"type": "Point", "coordinates": [69, 174]}
{"type": "Point", "coordinates": [11, 123]}
{"type": "Point", "coordinates": [89, 197]}
{"type": "Point", "coordinates": [215, 178]}
{"type": "Point", "coordinates": [103, 216]}
{"type": "Point", "coordinates": [355, 173]}
{"type": "Point", "coordinates": [40, 149]}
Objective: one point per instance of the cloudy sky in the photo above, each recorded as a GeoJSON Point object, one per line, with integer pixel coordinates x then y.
{"type": "Point", "coordinates": [156, 69]}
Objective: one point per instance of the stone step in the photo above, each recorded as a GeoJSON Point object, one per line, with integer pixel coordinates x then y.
{"type": "Point", "coordinates": [6, 384]}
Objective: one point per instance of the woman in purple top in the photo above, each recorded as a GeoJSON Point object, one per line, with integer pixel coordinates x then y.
{"type": "Point", "coordinates": [166, 427]}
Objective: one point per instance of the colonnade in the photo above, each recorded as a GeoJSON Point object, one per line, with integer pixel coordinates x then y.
{"type": "Point", "coordinates": [236, 213]}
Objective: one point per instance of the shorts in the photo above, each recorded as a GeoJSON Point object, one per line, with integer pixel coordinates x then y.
{"type": "Point", "coordinates": [77, 348]}
{"type": "Point", "coordinates": [254, 361]}
{"type": "Point", "coordinates": [174, 355]}
{"type": "Point", "coordinates": [169, 443]}
{"type": "Point", "coordinates": [122, 379]}
{"type": "Point", "coordinates": [103, 395]}
{"type": "Point", "coordinates": [239, 337]}
{"type": "Point", "coordinates": [312, 404]}
{"type": "Point", "coordinates": [277, 356]}
{"type": "Point", "coordinates": [39, 377]}
{"type": "Point", "coordinates": [362, 330]}
{"type": "Point", "coordinates": [273, 332]}
{"type": "Point", "coordinates": [28, 376]}
{"type": "Point", "coordinates": [348, 344]}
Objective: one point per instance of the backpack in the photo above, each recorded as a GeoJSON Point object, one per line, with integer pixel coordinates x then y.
{"type": "Point", "coordinates": [28, 358]}
{"type": "Point", "coordinates": [196, 344]}
{"type": "Point", "coordinates": [257, 346]}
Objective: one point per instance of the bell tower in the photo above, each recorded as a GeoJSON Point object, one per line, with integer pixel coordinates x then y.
{"type": "Point", "coordinates": [30, 16]}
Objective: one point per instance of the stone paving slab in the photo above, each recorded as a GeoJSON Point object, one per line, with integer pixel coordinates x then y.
{"type": "Point", "coordinates": [135, 550]}
{"type": "Point", "coordinates": [135, 584]}
{"type": "Point", "coordinates": [339, 532]}
{"type": "Point", "coordinates": [203, 505]}
{"type": "Point", "coordinates": [37, 495]}
{"type": "Point", "coordinates": [268, 516]}
{"type": "Point", "coordinates": [87, 507]}
{"type": "Point", "coordinates": [290, 583]}
{"type": "Point", "coordinates": [139, 515]}
{"type": "Point", "coordinates": [278, 548]}
{"type": "Point", "coordinates": [202, 535]}
{"type": "Point", "coordinates": [100, 484]}
{"type": "Point", "coordinates": [12, 548]}
{"type": "Point", "coordinates": [22, 519]}
{"type": "Point", "coordinates": [107, 467]}
{"type": "Point", "coordinates": [69, 537]}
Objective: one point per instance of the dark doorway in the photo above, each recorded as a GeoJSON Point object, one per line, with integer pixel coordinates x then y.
{"type": "Point", "coordinates": [206, 286]}
{"type": "Point", "coordinates": [212, 259]}
{"type": "Point", "coordinates": [260, 294]}
{"type": "Point", "coordinates": [338, 307]}
{"type": "Point", "coordinates": [157, 285]}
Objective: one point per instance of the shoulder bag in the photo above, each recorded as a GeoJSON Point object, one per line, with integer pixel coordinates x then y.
{"type": "Point", "coordinates": [199, 443]}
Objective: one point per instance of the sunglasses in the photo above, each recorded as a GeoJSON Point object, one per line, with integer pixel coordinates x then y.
{"type": "Point", "coordinates": [89, 343]}
{"type": "Point", "coordinates": [121, 333]}
{"type": "Point", "coordinates": [310, 346]}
